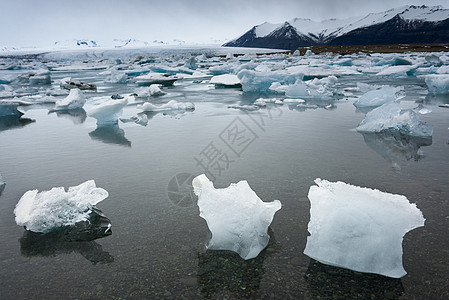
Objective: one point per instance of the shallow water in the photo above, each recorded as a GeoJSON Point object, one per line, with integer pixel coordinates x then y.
{"type": "Point", "coordinates": [157, 249]}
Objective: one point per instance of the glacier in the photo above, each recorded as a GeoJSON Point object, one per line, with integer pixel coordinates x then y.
{"type": "Point", "coordinates": [391, 117]}
{"type": "Point", "coordinates": [72, 212]}
{"type": "Point", "coordinates": [359, 228]}
{"type": "Point", "coordinates": [237, 218]}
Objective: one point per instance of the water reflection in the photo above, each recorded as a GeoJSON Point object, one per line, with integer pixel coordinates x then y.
{"type": "Point", "coordinates": [111, 134]}
{"type": "Point", "coordinates": [224, 274]}
{"type": "Point", "coordinates": [394, 146]}
{"type": "Point", "coordinates": [328, 282]}
{"type": "Point", "coordinates": [78, 116]}
{"type": "Point", "coordinates": [9, 122]}
{"type": "Point", "coordinates": [51, 244]}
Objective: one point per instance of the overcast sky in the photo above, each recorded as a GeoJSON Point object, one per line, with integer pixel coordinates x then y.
{"type": "Point", "coordinates": [41, 23]}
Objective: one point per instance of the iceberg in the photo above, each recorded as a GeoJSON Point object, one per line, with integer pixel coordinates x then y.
{"type": "Point", "coordinates": [359, 228]}
{"type": "Point", "coordinates": [226, 80]}
{"type": "Point", "coordinates": [253, 81]}
{"type": "Point", "coordinates": [171, 105]}
{"type": "Point", "coordinates": [108, 112]}
{"type": "Point", "coordinates": [437, 84]}
{"type": "Point", "coordinates": [72, 212]}
{"type": "Point", "coordinates": [380, 96]}
{"type": "Point", "coordinates": [153, 90]}
{"type": "Point", "coordinates": [390, 117]}
{"type": "Point", "coordinates": [36, 78]}
{"type": "Point", "coordinates": [9, 109]}
{"type": "Point", "coordinates": [237, 218]}
{"type": "Point", "coordinates": [402, 71]}
{"type": "Point", "coordinates": [2, 184]}
{"type": "Point", "coordinates": [68, 83]}
{"type": "Point", "coordinates": [316, 89]}
{"type": "Point", "coordinates": [75, 100]}
{"type": "Point", "coordinates": [156, 78]}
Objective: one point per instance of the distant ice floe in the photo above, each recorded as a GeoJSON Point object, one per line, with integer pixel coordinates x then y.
{"type": "Point", "coordinates": [398, 71]}
{"type": "Point", "coordinates": [437, 84]}
{"type": "Point", "coordinates": [380, 96]}
{"type": "Point", "coordinates": [68, 83]}
{"type": "Point", "coordinates": [72, 212]}
{"type": "Point", "coordinates": [316, 89]}
{"type": "Point", "coordinates": [391, 117]}
{"type": "Point", "coordinates": [237, 218]}
{"type": "Point", "coordinates": [37, 77]}
{"type": "Point", "coordinates": [359, 228]}
{"type": "Point", "coordinates": [171, 105]}
{"type": "Point", "coordinates": [156, 78]}
{"type": "Point", "coordinates": [108, 112]}
{"type": "Point", "coordinates": [75, 100]}
{"type": "Point", "coordinates": [226, 80]}
{"type": "Point", "coordinates": [253, 81]}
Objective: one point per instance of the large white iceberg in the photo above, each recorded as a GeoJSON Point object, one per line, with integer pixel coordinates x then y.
{"type": "Point", "coordinates": [75, 100]}
{"type": "Point", "coordinates": [359, 228]}
{"type": "Point", "coordinates": [56, 209]}
{"type": "Point", "coordinates": [108, 112]}
{"type": "Point", "coordinates": [237, 218]}
{"type": "Point", "coordinates": [380, 96]}
{"type": "Point", "coordinates": [171, 105]}
{"type": "Point", "coordinates": [390, 117]}
{"type": "Point", "coordinates": [437, 84]}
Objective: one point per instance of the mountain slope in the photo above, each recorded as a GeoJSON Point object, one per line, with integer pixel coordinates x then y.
{"type": "Point", "coordinates": [405, 24]}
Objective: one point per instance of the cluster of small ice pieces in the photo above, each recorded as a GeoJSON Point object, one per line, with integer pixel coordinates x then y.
{"type": "Point", "coordinates": [59, 210]}
{"type": "Point", "coordinates": [359, 228]}
{"type": "Point", "coordinates": [236, 216]}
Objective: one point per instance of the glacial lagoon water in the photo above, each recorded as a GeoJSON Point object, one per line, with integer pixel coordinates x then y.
{"type": "Point", "coordinates": [157, 248]}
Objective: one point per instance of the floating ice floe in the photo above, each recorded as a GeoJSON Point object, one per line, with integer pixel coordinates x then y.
{"type": "Point", "coordinates": [9, 109]}
{"type": "Point", "coordinates": [253, 81]}
{"type": "Point", "coordinates": [36, 77]}
{"type": "Point", "coordinates": [437, 84]}
{"type": "Point", "coordinates": [226, 80]}
{"type": "Point", "coordinates": [75, 100]}
{"type": "Point", "coordinates": [237, 218]}
{"type": "Point", "coordinates": [316, 89]}
{"type": "Point", "coordinates": [380, 96]}
{"type": "Point", "coordinates": [153, 90]}
{"type": "Point", "coordinates": [69, 84]}
{"type": "Point", "coordinates": [359, 228]}
{"type": "Point", "coordinates": [171, 105]}
{"type": "Point", "coordinates": [390, 117]}
{"type": "Point", "coordinates": [108, 112]}
{"type": "Point", "coordinates": [156, 78]}
{"type": "Point", "coordinates": [398, 71]}
{"type": "Point", "coordinates": [71, 212]}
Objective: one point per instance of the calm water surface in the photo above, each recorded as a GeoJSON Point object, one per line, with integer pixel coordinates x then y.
{"type": "Point", "coordinates": [157, 246]}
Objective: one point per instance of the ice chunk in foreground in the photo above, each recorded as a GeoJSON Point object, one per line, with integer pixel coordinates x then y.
{"type": "Point", "coordinates": [437, 84]}
{"type": "Point", "coordinates": [171, 105]}
{"type": "Point", "coordinates": [237, 218]}
{"type": "Point", "coordinates": [380, 96]}
{"type": "Point", "coordinates": [359, 228]}
{"type": "Point", "coordinates": [390, 117]}
{"type": "Point", "coordinates": [74, 100]}
{"type": "Point", "coordinates": [107, 113]}
{"type": "Point", "coordinates": [72, 212]}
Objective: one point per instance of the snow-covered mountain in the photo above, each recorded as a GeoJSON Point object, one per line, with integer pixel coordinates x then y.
{"type": "Point", "coordinates": [405, 24]}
